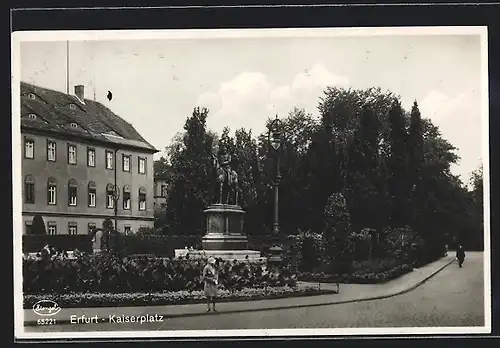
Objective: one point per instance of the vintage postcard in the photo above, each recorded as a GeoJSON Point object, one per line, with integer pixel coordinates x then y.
{"type": "Point", "coordinates": [233, 183]}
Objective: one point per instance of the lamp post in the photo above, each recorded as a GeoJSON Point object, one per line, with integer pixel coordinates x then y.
{"type": "Point", "coordinates": [116, 192]}
{"type": "Point", "coordinates": [275, 144]}
{"type": "Point", "coordinates": [116, 197]}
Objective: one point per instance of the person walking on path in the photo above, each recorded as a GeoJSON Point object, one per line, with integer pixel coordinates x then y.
{"type": "Point", "coordinates": [211, 279]}
{"type": "Point", "coordinates": [460, 255]}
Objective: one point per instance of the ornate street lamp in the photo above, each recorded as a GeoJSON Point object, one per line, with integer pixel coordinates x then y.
{"type": "Point", "coordinates": [275, 143]}
{"type": "Point", "coordinates": [116, 197]}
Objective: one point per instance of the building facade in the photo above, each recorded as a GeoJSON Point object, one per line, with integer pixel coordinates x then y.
{"type": "Point", "coordinates": [82, 164]}
{"type": "Point", "coordinates": [160, 192]}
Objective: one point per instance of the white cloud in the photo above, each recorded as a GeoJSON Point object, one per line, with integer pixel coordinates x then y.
{"type": "Point", "coordinates": [438, 106]}
{"type": "Point", "coordinates": [459, 120]}
{"type": "Point", "coordinates": [250, 98]}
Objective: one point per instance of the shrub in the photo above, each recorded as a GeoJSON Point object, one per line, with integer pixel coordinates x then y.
{"type": "Point", "coordinates": [107, 224]}
{"type": "Point", "coordinates": [337, 232]}
{"type": "Point", "coordinates": [379, 277]}
{"type": "Point", "coordinates": [158, 245]}
{"type": "Point", "coordinates": [403, 244]}
{"type": "Point", "coordinates": [38, 226]}
{"type": "Point", "coordinates": [305, 251]}
{"type": "Point", "coordinates": [366, 272]}
{"type": "Point", "coordinates": [146, 231]}
{"type": "Point", "coordinates": [34, 243]}
{"type": "Point", "coordinates": [362, 243]}
{"type": "Point", "coordinates": [108, 273]}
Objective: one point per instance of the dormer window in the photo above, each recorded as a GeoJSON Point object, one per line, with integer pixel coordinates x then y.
{"type": "Point", "coordinates": [72, 106]}
{"type": "Point", "coordinates": [113, 134]}
{"type": "Point", "coordinates": [73, 125]}
{"type": "Point", "coordinates": [31, 96]}
{"type": "Point", "coordinates": [32, 116]}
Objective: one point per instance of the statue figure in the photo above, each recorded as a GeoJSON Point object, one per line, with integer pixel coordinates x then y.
{"type": "Point", "coordinates": [227, 180]}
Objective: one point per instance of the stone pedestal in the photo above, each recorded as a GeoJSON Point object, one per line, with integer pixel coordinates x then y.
{"type": "Point", "coordinates": [224, 236]}
{"type": "Point", "coordinates": [224, 223]}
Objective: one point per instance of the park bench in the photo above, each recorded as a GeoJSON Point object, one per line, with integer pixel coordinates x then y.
{"type": "Point", "coordinates": [330, 280]}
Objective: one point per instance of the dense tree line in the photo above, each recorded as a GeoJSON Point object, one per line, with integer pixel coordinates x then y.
{"type": "Point", "coordinates": [391, 166]}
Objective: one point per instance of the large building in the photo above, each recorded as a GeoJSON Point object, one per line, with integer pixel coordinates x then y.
{"type": "Point", "coordinates": [80, 160]}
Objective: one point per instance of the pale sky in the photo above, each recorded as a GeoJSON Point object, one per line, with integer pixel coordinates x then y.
{"type": "Point", "coordinates": [157, 83]}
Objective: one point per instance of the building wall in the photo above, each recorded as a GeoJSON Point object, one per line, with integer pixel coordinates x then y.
{"type": "Point", "coordinates": [41, 169]}
{"type": "Point", "coordinates": [159, 184]}
{"type": "Point", "coordinates": [160, 199]}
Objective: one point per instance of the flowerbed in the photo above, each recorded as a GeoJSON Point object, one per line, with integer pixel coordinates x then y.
{"type": "Point", "coordinates": [374, 272]}
{"type": "Point", "coordinates": [109, 273]}
{"type": "Point", "coordinates": [88, 300]}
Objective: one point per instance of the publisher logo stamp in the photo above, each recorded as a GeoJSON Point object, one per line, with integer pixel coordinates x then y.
{"type": "Point", "coordinates": [46, 308]}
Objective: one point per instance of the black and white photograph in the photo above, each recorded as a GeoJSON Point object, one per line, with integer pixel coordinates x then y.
{"type": "Point", "coordinates": [250, 182]}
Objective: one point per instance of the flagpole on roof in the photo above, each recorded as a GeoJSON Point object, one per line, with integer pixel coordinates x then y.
{"type": "Point", "coordinates": [93, 68]}
{"type": "Point", "coordinates": [67, 67]}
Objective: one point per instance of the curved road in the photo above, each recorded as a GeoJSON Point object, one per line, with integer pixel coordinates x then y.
{"type": "Point", "coordinates": [453, 297]}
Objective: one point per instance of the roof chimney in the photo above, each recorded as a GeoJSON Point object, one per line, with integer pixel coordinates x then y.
{"type": "Point", "coordinates": [79, 92]}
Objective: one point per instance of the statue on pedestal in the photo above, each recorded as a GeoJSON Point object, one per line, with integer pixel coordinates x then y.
{"type": "Point", "coordinates": [227, 180]}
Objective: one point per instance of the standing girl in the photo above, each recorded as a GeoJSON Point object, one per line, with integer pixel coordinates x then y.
{"type": "Point", "coordinates": [211, 279]}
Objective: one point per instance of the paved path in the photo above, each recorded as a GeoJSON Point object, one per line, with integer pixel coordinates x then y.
{"type": "Point", "coordinates": [453, 297]}
{"type": "Point", "coordinates": [310, 310]}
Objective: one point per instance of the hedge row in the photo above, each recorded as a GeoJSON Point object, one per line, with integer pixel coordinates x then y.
{"type": "Point", "coordinates": [109, 273]}
{"type": "Point", "coordinates": [132, 244]}
{"type": "Point", "coordinates": [379, 271]}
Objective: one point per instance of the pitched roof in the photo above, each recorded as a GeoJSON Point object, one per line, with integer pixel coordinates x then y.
{"type": "Point", "coordinates": [66, 114]}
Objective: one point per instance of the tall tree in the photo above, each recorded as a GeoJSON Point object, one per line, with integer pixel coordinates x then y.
{"type": "Point", "coordinates": [415, 165]}
{"type": "Point", "coordinates": [191, 185]}
{"type": "Point", "coordinates": [226, 145]}
{"type": "Point", "coordinates": [324, 176]}
{"type": "Point", "coordinates": [477, 183]}
{"type": "Point", "coordinates": [442, 190]}
{"type": "Point", "coordinates": [297, 133]}
{"type": "Point", "coordinates": [397, 165]}
{"type": "Point", "coordinates": [363, 168]}
{"type": "Point", "coordinates": [247, 167]}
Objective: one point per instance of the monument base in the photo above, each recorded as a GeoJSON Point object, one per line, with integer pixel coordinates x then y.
{"type": "Point", "coordinates": [224, 238]}
{"type": "Point", "coordinates": [227, 255]}
{"type": "Point", "coordinates": [221, 241]}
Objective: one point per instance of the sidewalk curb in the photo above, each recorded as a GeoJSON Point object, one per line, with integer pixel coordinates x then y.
{"type": "Point", "coordinates": [363, 299]}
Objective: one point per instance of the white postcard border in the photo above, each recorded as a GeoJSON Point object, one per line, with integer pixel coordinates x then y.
{"type": "Point", "coordinates": [18, 37]}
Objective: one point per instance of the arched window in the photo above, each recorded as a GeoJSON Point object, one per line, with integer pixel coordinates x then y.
{"type": "Point", "coordinates": [92, 194]}
{"type": "Point", "coordinates": [29, 189]}
{"type": "Point", "coordinates": [126, 197]}
{"type": "Point", "coordinates": [110, 197]}
{"type": "Point", "coordinates": [51, 191]}
{"type": "Point", "coordinates": [142, 198]}
{"type": "Point", "coordinates": [72, 192]}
